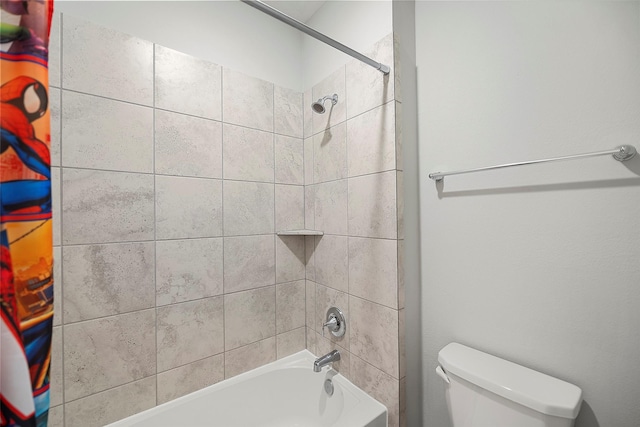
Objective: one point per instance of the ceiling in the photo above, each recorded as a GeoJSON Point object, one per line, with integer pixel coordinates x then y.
{"type": "Point", "coordinates": [302, 10]}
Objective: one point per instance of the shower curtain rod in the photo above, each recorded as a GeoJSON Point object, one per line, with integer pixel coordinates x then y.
{"type": "Point", "coordinates": [621, 154]}
{"type": "Point", "coordinates": [315, 34]}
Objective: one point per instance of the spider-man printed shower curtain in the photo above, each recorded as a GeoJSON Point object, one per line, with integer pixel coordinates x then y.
{"type": "Point", "coordinates": [26, 260]}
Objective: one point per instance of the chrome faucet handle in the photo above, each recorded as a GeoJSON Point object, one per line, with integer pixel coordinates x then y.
{"type": "Point", "coordinates": [336, 322]}
{"type": "Point", "coordinates": [332, 324]}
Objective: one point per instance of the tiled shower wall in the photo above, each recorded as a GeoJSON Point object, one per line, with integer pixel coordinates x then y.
{"type": "Point", "coordinates": [353, 192]}
{"type": "Point", "coordinates": [171, 176]}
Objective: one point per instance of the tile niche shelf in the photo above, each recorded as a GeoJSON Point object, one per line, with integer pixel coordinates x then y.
{"type": "Point", "coordinates": [300, 233]}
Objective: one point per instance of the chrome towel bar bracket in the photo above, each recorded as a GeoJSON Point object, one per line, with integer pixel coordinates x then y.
{"type": "Point", "coordinates": [622, 153]}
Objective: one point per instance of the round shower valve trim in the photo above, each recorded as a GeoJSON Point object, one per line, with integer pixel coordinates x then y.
{"type": "Point", "coordinates": [336, 322]}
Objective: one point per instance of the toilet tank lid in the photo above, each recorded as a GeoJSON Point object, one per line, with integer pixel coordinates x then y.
{"type": "Point", "coordinates": [525, 386]}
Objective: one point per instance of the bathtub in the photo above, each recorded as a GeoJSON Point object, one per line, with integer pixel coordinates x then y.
{"type": "Point", "coordinates": [285, 393]}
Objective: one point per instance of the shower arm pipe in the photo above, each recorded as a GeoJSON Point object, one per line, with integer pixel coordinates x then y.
{"type": "Point", "coordinates": [621, 154]}
{"type": "Point", "coordinates": [315, 34]}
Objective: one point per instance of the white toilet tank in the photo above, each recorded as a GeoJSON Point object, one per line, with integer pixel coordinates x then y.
{"type": "Point", "coordinates": [486, 391]}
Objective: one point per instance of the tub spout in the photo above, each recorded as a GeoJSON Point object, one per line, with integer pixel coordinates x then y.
{"type": "Point", "coordinates": [321, 361]}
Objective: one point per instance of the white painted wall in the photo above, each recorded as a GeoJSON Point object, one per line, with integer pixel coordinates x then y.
{"type": "Point", "coordinates": [357, 24]}
{"type": "Point", "coordinates": [539, 264]}
{"type": "Point", "coordinates": [228, 33]}
{"type": "Point", "coordinates": [237, 36]}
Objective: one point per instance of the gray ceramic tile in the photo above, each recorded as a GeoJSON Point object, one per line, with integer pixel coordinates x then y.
{"type": "Point", "coordinates": [289, 207]}
{"type": "Point", "coordinates": [193, 325]}
{"type": "Point", "coordinates": [188, 270]}
{"type": "Point", "coordinates": [334, 114]}
{"type": "Point", "coordinates": [103, 280]}
{"type": "Point", "coordinates": [108, 352]}
{"type": "Point", "coordinates": [366, 86]}
{"type": "Point", "coordinates": [249, 316]}
{"type": "Point", "coordinates": [290, 306]}
{"type": "Point", "coordinates": [100, 207]}
{"type": "Point", "coordinates": [289, 154]}
{"type": "Point", "coordinates": [308, 160]}
{"type": "Point", "coordinates": [189, 378]}
{"type": "Point", "coordinates": [310, 244]}
{"type": "Point", "coordinates": [371, 143]}
{"type": "Point", "coordinates": [379, 385]}
{"type": "Point", "coordinates": [331, 207]}
{"type": "Point", "coordinates": [247, 101]}
{"type": "Point", "coordinates": [307, 113]}
{"type": "Point", "coordinates": [56, 198]}
{"type": "Point", "coordinates": [399, 137]}
{"type": "Point", "coordinates": [288, 115]}
{"type": "Point", "coordinates": [248, 154]}
{"type": "Point", "coordinates": [397, 73]}
{"type": "Point", "coordinates": [112, 405]}
{"type": "Point", "coordinates": [54, 51]}
{"type": "Point", "coordinates": [55, 104]}
{"type": "Point", "coordinates": [187, 85]}
{"type": "Point", "coordinates": [325, 299]}
{"type": "Point", "coordinates": [310, 310]}
{"type": "Point", "coordinates": [289, 258]}
{"type": "Point", "coordinates": [372, 206]}
{"type": "Point", "coordinates": [188, 146]}
{"type": "Point", "coordinates": [402, 343]}
{"type": "Point", "coordinates": [248, 208]}
{"type": "Point", "coordinates": [105, 62]}
{"type": "Point", "coordinates": [290, 342]}
{"type": "Point", "coordinates": [55, 373]}
{"type": "Point", "coordinates": [330, 154]}
{"type": "Point", "coordinates": [400, 202]}
{"type": "Point", "coordinates": [324, 346]}
{"type": "Point", "coordinates": [57, 286]}
{"type": "Point", "coordinates": [311, 341]}
{"type": "Point", "coordinates": [373, 270]}
{"type": "Point", "coordinates": [374, 334]}
{"type": "Point", "coordinates": [100, 133]}
{"type": "Point", "coordinates": [249, 357]}
{"type": "Point", "coordinates": [56, 417]}
{"type": "Point", "coordinates": [401, 288]}
{"type": "Point", "coordinates": [249, 262]}
{"type": "Point", "coordinates": [310, 207]}
{"type": "Point", "coordinates": [332, 262]}
{"type": "Point", "coordinates": [403, 398]}
{"type": "Point", "coordinates": [188, 207]}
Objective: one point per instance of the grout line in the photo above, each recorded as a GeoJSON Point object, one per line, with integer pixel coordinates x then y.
{"type": "Point", "coordinates": [225, 179]}
{"type": "Point", "coordinates": [346, 97]}
{"type": "Point", "coordinates": [60, 195]}
{"type": "Point", "coordinates": [137, 104]}
{"type": "Point", "coordinates": [209, 178]}
{"type": "Point", "coordinates": [112, 388]}
{"type": "Point", "coordinates": [224, 326]}
{"type": "Point", "coordinates": [334, 125]}
{"type": "Point", "coordinates": [155, 219]}
{"type": "Point", "coordinates": [152, 106]}
{"type": "Point", "coordinates": [275, 221]}
{"type": "Point", "coordinates": [232, 236]}
{"type": "Point", "coordinates": [307, 226]}
{"type": "Point", "coordinates": [189, 363]}
{"type": "Point", "coordinates": [374, 366]}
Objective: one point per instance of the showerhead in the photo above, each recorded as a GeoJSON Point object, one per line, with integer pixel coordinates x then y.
{"type": "Point", "coordinates": [318, 106]}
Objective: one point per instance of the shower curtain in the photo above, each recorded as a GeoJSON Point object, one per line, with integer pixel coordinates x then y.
{"type": "Point", "coordinates": [26, 260]}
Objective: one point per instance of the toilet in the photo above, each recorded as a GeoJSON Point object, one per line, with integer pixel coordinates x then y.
{"type": "Point", "coordinates": [485, 391]}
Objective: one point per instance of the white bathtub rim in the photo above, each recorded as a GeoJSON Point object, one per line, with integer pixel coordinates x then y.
{"type": "Point", "coordinates": [301, 359]}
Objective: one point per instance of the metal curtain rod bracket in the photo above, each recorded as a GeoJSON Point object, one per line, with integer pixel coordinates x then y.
{"type": "Point", "coordinates": [621, 154]}
{"type": "Point", "coordinates": [316, 34]}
